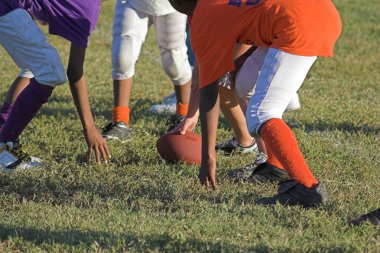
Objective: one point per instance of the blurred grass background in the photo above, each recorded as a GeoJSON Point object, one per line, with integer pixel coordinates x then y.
{"type": "Point", "coordinates": [138, 203]}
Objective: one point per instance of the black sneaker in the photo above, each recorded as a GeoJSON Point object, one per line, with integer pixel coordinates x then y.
{"type": "Point", "coordinates": [231, 147]}
{"type": "Point", "coordinates": [174, 121]}
{"type": "Point", "coordinates": [245, 173]}
{"type": "Point", "coordinates": [267, 173]}
{"type": "Point", "coordinates": [117, 131]}
{"type": "Point", "coordinates": [372, 217]}
{"type": "Point", "coordinates": [291, 193]}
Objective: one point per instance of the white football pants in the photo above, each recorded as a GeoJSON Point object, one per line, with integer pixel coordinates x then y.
{"type": "Point", "coordinates": [271, 79]}
{"type": "Point", "coordinates": [129, 31]}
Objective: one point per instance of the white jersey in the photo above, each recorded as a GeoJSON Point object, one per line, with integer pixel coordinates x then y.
{"type": "Point", "coordinates": [152, 7]}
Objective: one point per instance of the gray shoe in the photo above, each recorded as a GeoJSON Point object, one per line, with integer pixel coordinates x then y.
{"type": "Point", "coordinates": [168, 106]}
{"type": "Point", "coordinates": [291, 193]}
{"type": "Point", "coordinates": [231, 147]}
{"type": "Point", "coordinates": [163, 109]}
{"type": "Point", "coordinates": [117, 131]}
{"type": "Point", "coordinates": [170, 99]}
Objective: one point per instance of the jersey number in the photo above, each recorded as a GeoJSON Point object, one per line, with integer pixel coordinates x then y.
{"type": "Point", "coordinates": [238, 2]}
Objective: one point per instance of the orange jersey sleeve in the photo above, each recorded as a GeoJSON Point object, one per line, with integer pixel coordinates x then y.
{"type": "Point", "coordinates": [308, 28]}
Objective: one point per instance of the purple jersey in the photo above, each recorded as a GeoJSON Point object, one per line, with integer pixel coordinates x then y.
{"type": "Point", "coordinates": [72, 19]}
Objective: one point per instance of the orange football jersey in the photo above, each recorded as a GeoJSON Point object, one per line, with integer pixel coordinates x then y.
{"type": "Point", "coordinates": [300, 27]}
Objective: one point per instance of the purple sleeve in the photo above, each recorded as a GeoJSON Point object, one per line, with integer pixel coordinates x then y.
{"type": "Point", "coordinates": [76, 30]}
{"type": "Point", "coordinates": [73, 20]}
{"type": "Point", "coordinates": [3, 10]}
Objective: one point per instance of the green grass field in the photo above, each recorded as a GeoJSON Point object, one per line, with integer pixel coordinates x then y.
{"type": "Point", "coordinates": [138, 203]}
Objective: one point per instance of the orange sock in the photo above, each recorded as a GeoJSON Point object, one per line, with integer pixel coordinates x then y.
{"type": "Point", "coordinates": [272, 160]}
{"type": "Point", "coordinates": [121, 113]}
{"type": "Point", "coordinates": [182, 109]}
{"type": "Point", "coordinates": [282, 142]}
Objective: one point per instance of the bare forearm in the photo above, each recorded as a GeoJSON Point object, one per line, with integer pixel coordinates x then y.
{"type": "Point", "coordinates": [80, 96]}
{"type": "Point", "coordinates": [209, 114]}
{"type": "Point", "coordinates": [194, 95]}
{"type": "Point", "coordinates": [78, 85]}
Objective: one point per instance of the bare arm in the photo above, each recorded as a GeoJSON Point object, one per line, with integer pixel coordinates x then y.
{"type": "Point", "coordinates": [78, 88]}
{"type": "Point", "coordinates": [191, 119]}
{"type": "Point", "coordinates": [194, 96]}
{"type": "Point", "coordinates": [209, 115]}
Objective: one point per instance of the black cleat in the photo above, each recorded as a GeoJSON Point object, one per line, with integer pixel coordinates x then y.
{"type": "Point", "coordinates": [243, 174]}
{"type": "Point", "coordinates": [174, 121]}
{"type": "Point", "coordinates": [291, 193]}
{"type": "Point", "coordinates": [117, 131]}
{"type": "Point", "coordinates": [372, 217]}
{"type": "Point", "coordinates": [267, 173]}
{"type": "Point", "coordinates": [259, 172]}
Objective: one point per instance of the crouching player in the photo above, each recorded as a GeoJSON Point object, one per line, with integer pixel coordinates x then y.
{"type": "Point", "coordinates": [296, 32]}
{"type": "Point", "coordinates": [131, 23]}
{"type": "Point", "coordinates": [27, 46]}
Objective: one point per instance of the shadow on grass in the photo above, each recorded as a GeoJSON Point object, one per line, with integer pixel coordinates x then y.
{"type": "Point", "coordinates": [105, 240]}
{"type": "Point", "coordinates": [139, 109]}
{"type": "Point", "coordinates": [343, 127]}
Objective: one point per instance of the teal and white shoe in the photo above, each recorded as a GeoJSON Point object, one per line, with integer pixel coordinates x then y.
{"type": "Point", "coordinates": [168, 106]}
{"type": "Point", "coordinates": [170, 99]}
{"type": "Point", "coordinates": [13, 158]}
{"type": "Point", "coordinates": [231, 147]}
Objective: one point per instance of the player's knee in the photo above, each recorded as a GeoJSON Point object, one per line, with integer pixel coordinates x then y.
{"type": "Point", "coordinates": [176, 65]}
{"type": "Point", "coordinates": [52, 72]}
{"type": "Point", "coordinates": [61, 76]}
{"type": "Point", "coordinates": [123, 58]}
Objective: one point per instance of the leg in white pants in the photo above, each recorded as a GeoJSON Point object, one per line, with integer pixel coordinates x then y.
{"type": "Point", "coordinates": [129, 31]}
{"type": "Point", "coordinates": [280, 77]}
{"type": "Point", "coordinates": [171, 38]}
{"type": "Point", "coordinates": [247, 75]}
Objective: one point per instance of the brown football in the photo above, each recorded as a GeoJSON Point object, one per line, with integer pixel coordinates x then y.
{"type": "Point", "coordinates": [174, 147]}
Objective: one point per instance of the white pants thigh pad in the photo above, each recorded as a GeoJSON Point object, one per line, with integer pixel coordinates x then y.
{"type": "Point", "coordinates": [171, 38]}
{"type": "Point", "coordinates": [246, 77]}
{"type": "Point", "coordinates": [280, 77]}
{"type": "Point", "coordinates": [27, 46]}
{"type": "Point", "coordinates": [129, 31]}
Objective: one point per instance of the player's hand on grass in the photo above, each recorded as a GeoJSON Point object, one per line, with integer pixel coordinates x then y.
{"type": "Point", "coordinates": [207, 174]}
{"type": "Point", "coordinates": [96, 143]}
